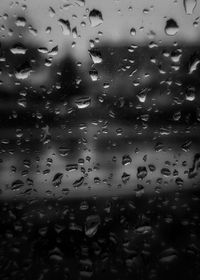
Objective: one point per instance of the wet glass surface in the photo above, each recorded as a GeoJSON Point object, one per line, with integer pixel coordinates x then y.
{"type": "Point", "coordinates": [99, 139]}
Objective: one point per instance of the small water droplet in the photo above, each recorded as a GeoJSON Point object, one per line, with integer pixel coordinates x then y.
{"type": "Point", "coordinates": [18, 49]}
{"type": "Point", "coordinates": [91, 225]}
{"type": "Point", "coordinates": [20, 22]}
{"type": "Point", "coordinates": [57, 179]}
{"type": "Point", "coordinates": [126, 159]}
{"type": "Point", "coordinates": [133, 31]}
{"type": "Point", "coordinates": [141, 172]}
{"type": "Point", "coordinates": [83, 102]}
{"type": "Point", "coordinates": [17, 185]}
{"type": "Point", "coordinates": [125, 177]}
{"type": "Point", "coordinates": [65, 26]}
{"type": "Point", "coordinates": [78, 182]}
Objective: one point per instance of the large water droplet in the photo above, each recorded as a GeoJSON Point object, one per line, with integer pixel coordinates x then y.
{"type": "Point", "coordinates": [95, 56]}
{"type": "Point", "coordinates": [96, 18]}
{"type": "Point", "coordinates": [171, 27]}
{"type": "Point", "coordinates": [189, 6]}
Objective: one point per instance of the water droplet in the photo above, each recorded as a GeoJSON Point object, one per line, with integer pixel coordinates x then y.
{"type": "Point", "coordinates": [91, 225]}
{"type": "Point", "coordinates": [71, 167]}
{"type": "Point", "coordinates": [18, 49]}
{"type": "Point", "coordinates": [165, 172]}
{"type": "Point", "coordinates": [64, 151]}
{"type": "Point", "coordinates": [57, 179]}
{"type": "Point", "coordinates": [81, 3]}
{"type": "Point", "coordinates": [65, 26]}
{"type": "Point", "coordinates": [141, 172]}
{"type": "Point", "coordinates": [78, 182]}
{"type": "Point", "coordinates": [190, 94]}
{"type": "Point", "coordinates": [171, 27]}
{"type": "Point", "coordinates": [168, 256]}
{"type": "Point", "coordinates": [23, 72]}
{"type": "Point", "coordinates": [194, 62]}
{"type": "Point", "coordinates": [142, 95]}
{"type": "Point", "coordinates": [126, 159]}
{"type": "Point", "coordinates": [93, 75]}
{"type": "Point", "coordinates": [189, 6]}
{"type": "Point", "coordinates": [193, 171]}
{"type": "Point", "coordinates": [51, 12]}
{"type": "Point", "coordinates": [53, 51]}
{"type": "Point", "coordinates": [133, 31]}
{"type": "Point", "coordinates": [95, 56]}
{"type": "Point", "coordinates": [143, 230]}
{"type": "Point", "coordinates": [17, 185]}
{"type": "Point", "coordinates": [83, 102]}
{"type": "Point", "coordinates": [95, 18]}
{"type": "Point", "coordinates": [125, 177]}
{"type": "Point", "coordinates": [20, 22]}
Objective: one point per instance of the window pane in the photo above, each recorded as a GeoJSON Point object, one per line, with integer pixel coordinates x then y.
{"type": "Point", "coordinates": [99, 139]}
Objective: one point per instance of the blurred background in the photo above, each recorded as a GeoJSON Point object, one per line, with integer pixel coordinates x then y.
{"type": "Point", "coordinates": [99, 139]}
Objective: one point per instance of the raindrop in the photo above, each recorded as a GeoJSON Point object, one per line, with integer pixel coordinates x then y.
{"type": "Point", "coordinates": [143, 230]}
{"type": "Point", "coordinates": [91, 225]}
{"type": "Point", "coordinates": [142, 95]}
{"type": "Point", "coordinates": [18, 49]}
{"type": "Point", "coordinates": [53, 51]}
{"type": "Point", "coordinates": [51, 12]}
{"type": "Point", "coordinates": [95, 56]}
{"type": "Point", "coordinates": [78, 182]}
{"type": "Point", "coordinates": [171, 27]}
{"type": "Point", "coordinates": [133, 31]}
{"type": "Point", "coordinates": [57, 179]}
{"type": "Point", "coordinates": [193, 171]}
{"type": "Point", "coordinates": [189, 6]}
{"type": "Point", "coordinates": [20, 22]}
{"type": "Point", "coordinates": [71, 167]}
{"type": "Point", "coordinates": [93, 75]}
{"type": "Point", "coordinates": [83, 102]}
{"type": "Point", "coordinates": [95, 18]}
{"type": "Point", "coordinates": [65, 26]}
{"type": "Point", "coordinates": [126, 159]}
{"type": "Point", "coordinates": [64, 151]}
{"type": "Point", "coordinates": [141, 172]}
{"type": "Point", "coordinates": [81, 3]}
{"type": "Point", "coordinates": [165, 172]}
{"type": "Point", "coordinates": [125, 177]}
{"type": "Point", "coordinates": [17, 185]}
{"type": "Point", "coordinates": [194, 62]}
{"type": "Point", "coordinates": [23, 72]}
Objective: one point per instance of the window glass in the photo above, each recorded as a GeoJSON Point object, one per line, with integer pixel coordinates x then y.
{"type": "Point", "coordinates": [99, 139]}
